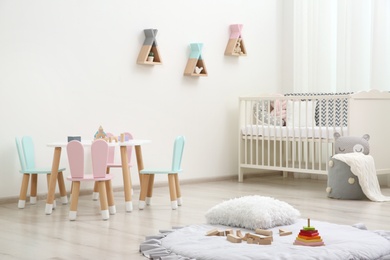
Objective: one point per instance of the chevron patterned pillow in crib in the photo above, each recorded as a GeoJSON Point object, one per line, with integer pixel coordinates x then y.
{"type": "Point", "coordinates": [252, 212]}
{"type": "Point", "coordinates": [329, 112]}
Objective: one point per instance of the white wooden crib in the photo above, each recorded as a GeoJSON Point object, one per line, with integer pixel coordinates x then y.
{"type": "Point", "coordinates": [294, 133]}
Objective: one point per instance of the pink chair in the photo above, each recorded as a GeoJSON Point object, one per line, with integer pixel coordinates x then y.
{"type": "Point", "coordinates": [111, 161]}
{"type": "Point", "coordinates": [99, 153]}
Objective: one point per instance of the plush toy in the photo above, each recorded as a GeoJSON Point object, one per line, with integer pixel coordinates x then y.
{"type": "Point", "coordinates": [342, 183]}
{"type": "Point", "coordinates": [352, 144]}
{"type": "Point", "coordinates": [237, 48]}
{"type": "Point", "coordinates": [279, 109]}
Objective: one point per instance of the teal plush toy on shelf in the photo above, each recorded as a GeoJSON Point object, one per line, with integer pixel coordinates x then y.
{"type": "Point", "coordinates": [342, 183]}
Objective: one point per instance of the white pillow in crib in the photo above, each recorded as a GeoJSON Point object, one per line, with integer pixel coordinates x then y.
{"type": "Point", "coordinates": [252, 212]}
{"type": "Point", "coordinates": [300, 113]}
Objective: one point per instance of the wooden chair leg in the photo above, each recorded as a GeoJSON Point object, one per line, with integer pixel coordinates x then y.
{"type": "Point", "coordinates": [74, 200]}
{"type": "Point", "coordinates": [144, 190]}
{"type": "Point", "coordinates": [33, 189]}
{"type": "Point", "coordinates": [23, 191]}
{"type": "Point", "coordinates": [172, 190]}
{"type": "Point", "coordinates": [110, 198]}
{"type": "Point", "coordinates": [48, 176]}
{"type": "Point", "coordinates": [61, 186]}
{"type": "Point", "coordinates": [103, 200]}
{"type": "Point", "coordinates": [95, 194]}
{"type": "Point", "coordinates": [178, 191]}
{"type": "Point", "coordinates": [149, 193]}
{"type": "Point", "coordinates": [70, 192]}
{"type": "Point", "coordinates": [48, 180]}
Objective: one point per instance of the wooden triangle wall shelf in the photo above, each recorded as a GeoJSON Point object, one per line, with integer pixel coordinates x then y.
{"type": "Point", "coordinates": [195, 65]}
{"type": "Point", "coordinates": [149, 47]}
{"type": "Point", "coordinates": [235, 46]}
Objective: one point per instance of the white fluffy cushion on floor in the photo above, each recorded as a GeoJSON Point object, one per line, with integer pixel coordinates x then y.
{"type": "Point", "coordinates": [252, 212]}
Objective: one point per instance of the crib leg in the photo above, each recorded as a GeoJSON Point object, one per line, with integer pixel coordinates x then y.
{"type": "Point", "coordinates": [240, 175]}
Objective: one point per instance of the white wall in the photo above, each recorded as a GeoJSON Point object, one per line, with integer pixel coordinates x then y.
{"type": "Point", "coordinates": [67, 67]}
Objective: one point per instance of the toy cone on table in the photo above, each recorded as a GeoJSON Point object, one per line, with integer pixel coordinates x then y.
{"type": "Point", "coordinates": [309, 236]}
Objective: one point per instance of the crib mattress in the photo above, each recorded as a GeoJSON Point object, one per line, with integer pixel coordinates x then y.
{"type": "Point", "coordinates": [292, 132]}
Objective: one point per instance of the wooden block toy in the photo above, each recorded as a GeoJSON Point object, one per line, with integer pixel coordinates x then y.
{"type": "Point", "coordinates": [308, 225]}
{"type": "Point", "coordinates": [122, 137]}
{"type": "Point", "coordinates": [265, 242]}
{"type": "Point", "coordinates": [100, 134]}
{"type": "Point", "coordinates": [213, 232]}
{"type": "Point", "coordinates": [239, 234]}
{"type": "Point", "coordinates": [229, 231]}
{"type": "Point", "coordinates": [263, 232]}
{"type": "Point", "coordinates": [221, 233]}
{"type": "Point", "coordinates": [234, 239]}
{"type": "Point", "coordinates": [309, 233]}
{"type": "Point", "coordinates": [113, 138]}
{"type": "Point", "coordinates": [308, 236]}
{"type": "Point", "coordinates": [249, 240]}
{"type": "Point", "coordinates": [259, 237]}
{"type": "Point", "coordinates": [285, 233]}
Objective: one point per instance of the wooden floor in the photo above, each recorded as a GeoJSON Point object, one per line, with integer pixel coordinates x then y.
{"type": "Point", "coordinates": [30, 234]}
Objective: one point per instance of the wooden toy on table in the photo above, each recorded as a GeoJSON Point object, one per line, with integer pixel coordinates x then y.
{"type": "Point", "coordinates": [113, 138]}
{"type": "Point", "coordinates": [100, 134]}
{"type": "Point", "coordinates": [309, 236]}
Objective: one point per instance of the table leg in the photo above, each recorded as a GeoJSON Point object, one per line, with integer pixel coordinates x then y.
{"type": "Point", "coordinates": [126, 179]}
{"type": "Point", "coordinates": [61, 186]}
{"type": "Point", "coordinates": [144, 187]}
{"type": "Point", "coordinates": [53, 180]}
{"type": "Point", "coordinates": [140, 162]}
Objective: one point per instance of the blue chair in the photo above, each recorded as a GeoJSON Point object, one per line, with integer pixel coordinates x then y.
{"type": "Point", "coordinates": [147, 177]}
{"type": "Point", "coordinates": [26, 153]}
